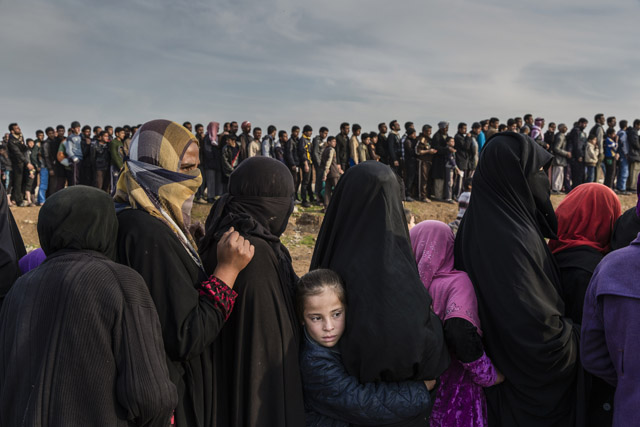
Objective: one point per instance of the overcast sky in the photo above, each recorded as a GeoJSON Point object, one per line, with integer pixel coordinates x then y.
{"type": "Point", "coordinates": [320, 62]}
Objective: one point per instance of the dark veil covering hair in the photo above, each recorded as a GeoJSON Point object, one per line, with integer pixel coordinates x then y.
{"type": "Point", "coordinates": [256, 371]}
{"type": "Point", "coordinates": [391, 334]}
{"type": "Point", "coordinates": [65, 223]}
{"type": "Point", "coordinates": [500, 244]}
{"type": "Point", "coordinates": [11, 246]}
{"type": "Point", "coordinates": [627, 227]}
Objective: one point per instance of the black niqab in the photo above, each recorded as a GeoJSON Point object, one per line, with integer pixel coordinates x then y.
{"type": "Point", "coordinates": [626, 229]}
{"type": "Point", "coordinates": [391, 334]}
{"type": "Point", "coordinates": [80, 218]}
{"type": "Point", "coordinates": [11, 246]}
{"type": "Point", "coordinates": [500, 244]}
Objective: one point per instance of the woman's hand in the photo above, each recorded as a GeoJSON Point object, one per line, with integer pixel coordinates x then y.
{"type": "Point", "coordinates": [234, 253]}
{"type": "Point", "coordinates": [499, 378]}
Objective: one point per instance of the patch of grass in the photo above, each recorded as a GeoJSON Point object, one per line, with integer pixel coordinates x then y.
{"type": "Point", "coordinates": [308, 241]}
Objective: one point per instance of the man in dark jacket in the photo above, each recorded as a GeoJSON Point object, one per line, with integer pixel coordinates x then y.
{"type": "Point", "coordinates": [623, 162]}
{"type": "Point", "coordinates": [577, 144]}
{"type": "Point", "coordinates": [464, 157]}
{"type": "Point", "coordinates": [395, 148]}
{"type": "Point", "coordinates": [291, 158]}
{"type": "Point", "coordinates": [17, 149]}
{"type": "Point", "coordinates": [598, 131]}
{"type": "Point", "coordinates": [438, 169]}
{"type": "Point", "coordinates": [304, 157]}
{"type": "Point", "coordinates": [47, 162]}
{"type": "Point", "coordinates": [560, 160]}
{"type": "Point", "coordinates": [342, 146]}
{"type": "Point", "coordinates": [381, 146]}
{"type": "Point", "coordinates": [317, 146]}
{"type": "Point", "coordinates": [634, 155]}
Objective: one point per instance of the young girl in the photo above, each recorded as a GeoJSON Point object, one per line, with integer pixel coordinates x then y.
{"type": "Point", "coordinates": [460, 400]}
{"type": "Point", "coordinates": [332, 397]}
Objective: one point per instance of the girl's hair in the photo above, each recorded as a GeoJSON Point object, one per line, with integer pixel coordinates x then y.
{"type": "Point", "coordinates": [314, 283]}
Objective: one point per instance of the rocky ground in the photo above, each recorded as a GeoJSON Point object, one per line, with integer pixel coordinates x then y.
{"type": "Point", "coordinates": [300, 235]}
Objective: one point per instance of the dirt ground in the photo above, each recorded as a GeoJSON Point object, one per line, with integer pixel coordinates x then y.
{"type": "Point", "coordinates": [300, 235]}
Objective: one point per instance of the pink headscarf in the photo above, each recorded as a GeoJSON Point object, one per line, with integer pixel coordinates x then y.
{"type": "Point", "coordinates": [212, 131]}
{"type": "Point", "coordinates": [451, 290]}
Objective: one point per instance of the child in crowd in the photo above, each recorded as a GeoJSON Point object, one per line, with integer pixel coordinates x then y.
{"type": "Point", "coordinates": [460, 400]}
{"type": "Point", "coordinates": [463, 203]}
{"type": "Point", "coordinates": [411, 219]}
{"type": "Point", "coordinates": [591, 158]}
{"type": "Point", "coordinates": [331, 395]}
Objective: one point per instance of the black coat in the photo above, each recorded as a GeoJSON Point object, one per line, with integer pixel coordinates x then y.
{"type": "Point", "coordinates": [464, 152]}
{"type": "Point", "coordinates": [80, 341]}
{"type": "Point", "coordinates": [333, 398]}
{"type": "Point", "coordinates": [634, 144]}
{"type": "Point", "coordinates": [439, 143]}
{"type": "Point", "coordinates": [190, 323]}
{"type": "Point", "coordinates": [11, 246]}
{"type": "Point", "coordinates": [625, 230]}
{"type": "Point", "coordinates": [501, 246]}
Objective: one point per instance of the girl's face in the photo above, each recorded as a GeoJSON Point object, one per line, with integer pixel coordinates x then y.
{"type": "Point", "coordinates": [324, 317]}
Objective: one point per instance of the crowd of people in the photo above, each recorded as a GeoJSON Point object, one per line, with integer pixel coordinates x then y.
{"type": "Point", "coordinates": [432, 164]}
{"type": "Point", "coordinates": [130, 315]}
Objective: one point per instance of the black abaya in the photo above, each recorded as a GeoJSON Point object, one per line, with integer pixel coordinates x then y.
{"type": "Point", "coordinates": [11, 246]}
{"type": "Point", "coordinates": [255, 358]}
{"type": "Point", "coordinates": [626, 229]}
{"type": "Point", "coordinates": [576, 266]}
{"type": "Point", "coordinates": [391, 334]}
{"type": "Point", "coordinates": [500, 244]}
{"type": "Point", "coordinates": [80, 341]}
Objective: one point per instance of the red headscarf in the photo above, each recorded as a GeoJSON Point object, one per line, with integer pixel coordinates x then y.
{"type": "Point", "coordinates": [586, 217]}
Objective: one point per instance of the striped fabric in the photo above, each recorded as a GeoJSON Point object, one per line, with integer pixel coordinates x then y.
{"type": "Point", "coordinates": [151, 182]}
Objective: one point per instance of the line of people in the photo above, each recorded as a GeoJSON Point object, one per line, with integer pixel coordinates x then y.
{"type": "Point", "coordinates": [432, 165]}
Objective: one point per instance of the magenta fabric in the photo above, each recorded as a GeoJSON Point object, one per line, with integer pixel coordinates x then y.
{"type": "Point", "coordinates": [451, 290]}
{"type": "Point", "coordinates": [31, 260]}
{"type": "Point", "coordinates": [460, 401]}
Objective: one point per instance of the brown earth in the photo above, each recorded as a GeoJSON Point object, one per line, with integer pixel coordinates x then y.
{"type": "Point", "coordinates": [300, 235]}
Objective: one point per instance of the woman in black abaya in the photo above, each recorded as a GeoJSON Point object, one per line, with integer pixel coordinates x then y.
{"type": "Point", "coordinates": [11, 246]}
{"type": "Point", "coordinates": [501, 245]}
{"type": "Point", "coordinates": [391, 334]}
{"type": "Point", "coordinates": [256, 372]}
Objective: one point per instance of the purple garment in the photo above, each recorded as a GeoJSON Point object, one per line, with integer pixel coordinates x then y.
{"type": "Point", "coordinates": [610, 343]}
{"type": "Point", "coordinates": [31, 260]}
{"type": "Point", "coordinates": [460, 401]}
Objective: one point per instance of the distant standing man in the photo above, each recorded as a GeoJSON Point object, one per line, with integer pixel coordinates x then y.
{"type": "Point", "coordinates": [317, 146]}
{"type": "Point", "coordinates": [598, 131]}
{"type": "Point", "coordinates": [623, 162]}
{"type": "Point", "coordinates": [342, 146]}
{"type": "Point", "coordinates": [117, 157]}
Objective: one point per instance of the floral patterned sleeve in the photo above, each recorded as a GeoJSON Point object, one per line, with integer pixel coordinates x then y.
{"type": "Point", "coordinates": [220, 294]}
{"type": "Point", "coordinates": [482, 371]}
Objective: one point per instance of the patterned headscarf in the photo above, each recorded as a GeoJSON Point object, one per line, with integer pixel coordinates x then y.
{"type": "Point", "coordinates": [151, 180]}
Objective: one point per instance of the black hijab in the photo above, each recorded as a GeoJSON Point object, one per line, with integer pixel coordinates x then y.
{"type": "Point", "coordinates": [500, 244]}
{"type": "Point", "coordinates": [259, 203]}
{"type": "Point", "coordinates": [80, 218]}
{"type": "Point", "coordinates": [391, 334]}
{"type": "Point", "coordinates": [11, 246]}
